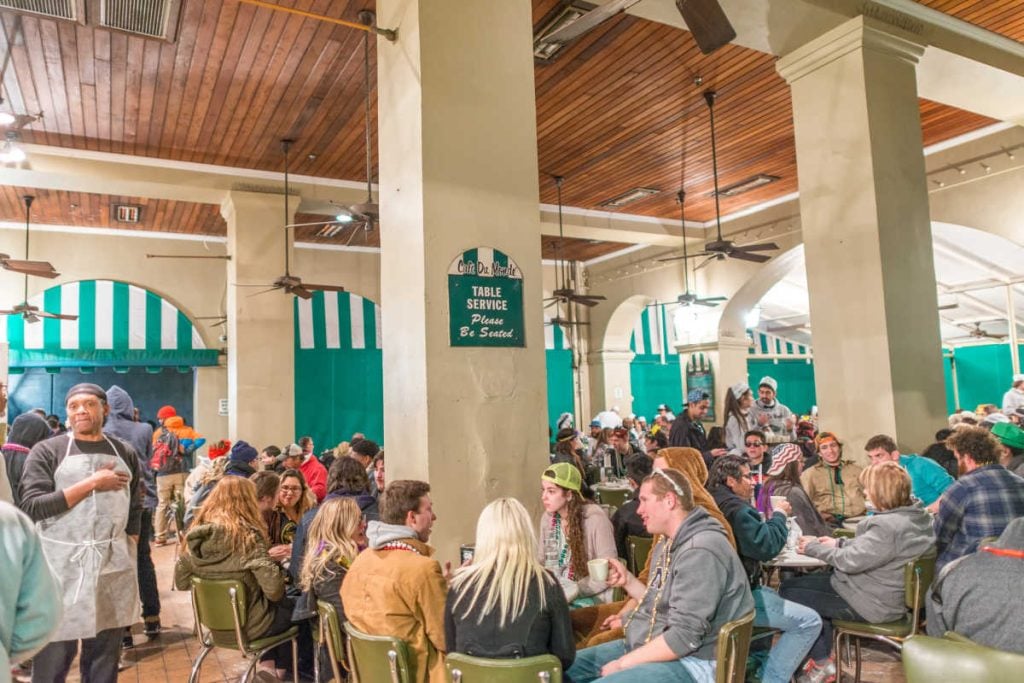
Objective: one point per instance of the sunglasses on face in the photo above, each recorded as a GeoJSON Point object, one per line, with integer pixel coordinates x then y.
{"type": "Point", "coordinates": [754, 444]}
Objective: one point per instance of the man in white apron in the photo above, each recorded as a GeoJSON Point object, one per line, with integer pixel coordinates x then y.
{"type": "Point", "coordinates": [82, 490]}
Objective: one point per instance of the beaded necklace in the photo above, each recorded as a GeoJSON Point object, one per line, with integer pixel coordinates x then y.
{"type": "Point", "coordinates": [564, 553]}
{"type": "Point", "coordinates": [398, 545]}
{"type": "Point", "coordinates": [659, 577]}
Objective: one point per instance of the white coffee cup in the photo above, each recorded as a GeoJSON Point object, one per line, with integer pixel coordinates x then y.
{"type": "Point", "coordinates": [776, 500]}
{"type": "Point", "coordinates": [598, 569]}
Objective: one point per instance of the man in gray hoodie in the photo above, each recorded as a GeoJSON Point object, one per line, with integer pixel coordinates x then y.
{"type": "Point", "coordinates": [979, 595]}
{"type": "Point", "coordinates": [696, 585]}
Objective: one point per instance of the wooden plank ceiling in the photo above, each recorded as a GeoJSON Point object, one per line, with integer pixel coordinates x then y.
{"type": "Point", "coordinates": [613, 111]}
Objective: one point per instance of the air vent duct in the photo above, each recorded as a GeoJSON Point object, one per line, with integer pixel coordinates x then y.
{"type": "Point", "coordinates": [151, 18]}
{"type": "Point", "coordinates": [58, 9]}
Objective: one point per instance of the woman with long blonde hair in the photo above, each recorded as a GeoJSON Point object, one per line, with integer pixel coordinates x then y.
{"type": "Point", "coordinates": [228, 540]}
{"type": "Point", "coordinates": [505, 604]}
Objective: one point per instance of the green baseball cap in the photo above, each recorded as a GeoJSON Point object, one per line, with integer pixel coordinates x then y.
{"type": "Point", "coordinates": [565, 475]}
{"type": "Point", "coordinates": [1009, 434]}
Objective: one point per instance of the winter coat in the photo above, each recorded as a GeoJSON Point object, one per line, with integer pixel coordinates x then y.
{"type": "Point", "coordinates": [690, 612]}
{"type": "Point", "coordinates": [777, 415]}
{"type": "Point", "coordinates": [26, 431]}
{"type": "Point", "coordinates": [869, 568]}
{"type": "Point", "coordinates": [757, 541]}
{"type": "Point", "coordinates": [686, 433]}
{"type": "Point", "coordinates": [121, 423]}
{"type": "Point", "coordinates": [734, 433]}
{"type": "Point", "coordinates": [401, 593]}
{"type": "Point", "coordinates": [832, 499]}
{"type": "Point", "coordinates": [210, 556]}
{"type": "Point", "coordinates": [176, 424]}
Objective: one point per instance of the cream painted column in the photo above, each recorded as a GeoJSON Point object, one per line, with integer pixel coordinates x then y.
{"type": "Point", "coordinates": [211, 386]}
{"type": "Point", "coordinates": [610, 382]}
{"type": "Point", "coordinates": [867, 234]}
{"type": "Point", "coordinates": [729, 361]}
{"type": "Point", "coordinates": [260, 329]}
{"type": "Point", "coordinates": [458, 170]}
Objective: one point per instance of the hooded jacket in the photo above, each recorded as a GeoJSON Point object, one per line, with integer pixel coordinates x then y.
{"type": "Point", "coordinates": [979, 595]}
{"type": "Point", "coordinates": [27, 430]}
{"type": "Point", "coordinates": [869, 567]}
{"type": "Point", "coordinates": [121, 423]}
{"type": "Point", "coordinates": [176, 424]}
{"type": "Point", "coordinates": [685, 433]}
{"type": "Point", "coordinates": [400, 592]}
{"type": "Point", "coordinates": [210, 556]}
{"type": "Point", "coordinates": [689, 612]}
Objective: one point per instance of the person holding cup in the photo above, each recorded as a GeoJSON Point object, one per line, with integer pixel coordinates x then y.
{"type": "Point", "coordinates": [672, 633]}
{"type": "Point", "coordinates": [783, 481]}
{"type": "Point", "coordinates": [573, 532]}
{"type": "Point", "coordinates": [504, 604]}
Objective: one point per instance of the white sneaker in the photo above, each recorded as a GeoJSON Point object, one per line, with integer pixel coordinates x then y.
{"type": "Point", "coordinates": [818, 674]}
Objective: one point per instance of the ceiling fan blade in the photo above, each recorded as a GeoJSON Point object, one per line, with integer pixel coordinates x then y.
{"type": "Point", "coordinates": [31, 318]}
{"type": "Point", "coordinates": [948, 307]}
{"type": "Point", "coordinates": [588, 21]}
{"type": "Point", "coordinates": [322, 288]}
{"type": "Point", "coordinates": [706, 20]}
{"type": "Point", "coordinates": [763, 246]}
{"type": "Point", "coordinates": [744, 256]}
{"type": "Point", "coordinates": [299, 291]}
{"type": "Point", "coordinates": [589, 303]}
{"type": "Point", "coordinates": [56, 316]}
{"type": "Point", "coordinates": [37, 268]}
{"type": "Point", "coordinates": [272, 289]}
{"type": "Point", "coordinates": [714, 298]}
{"type": "Point", "coordinates": [701, 265]}
{"type": "Point", "coordinates": [239, 284]}
{"type": "Point", "coordinates": [675, 258]}
{"type": "Point", "coordinates": [595, 297]}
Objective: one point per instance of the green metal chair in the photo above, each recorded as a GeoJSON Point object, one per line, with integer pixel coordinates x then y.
{"type": "Point", "coordinates": [219, 607]}
{"type": "Point", "coordinates": [637, 549]}
{"type": "Point", "coordinates": [377, 659]}
{"type": "Point", "coordinates": [917, 576]}
{"type": "Point", "coordinates": [927, 660]}
{"type": "Point", "coordinates": [732, 650]}
{"type": "Point", "coordinates": [329, 633]}
{"type": "Point", "coordinates": [614, 497]}
{"type": "Point", "coordinates": [466, 669]}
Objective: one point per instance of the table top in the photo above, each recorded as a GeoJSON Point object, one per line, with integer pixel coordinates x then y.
{"type": "Point", "coordinates": [791, 559]}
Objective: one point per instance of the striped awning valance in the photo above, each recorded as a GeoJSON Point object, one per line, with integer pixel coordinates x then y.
{"type": "Point", "coordinates": [337, 320]}
{"type": "Point", "coordinates": [764, 344]}
{"type": "Point", "coordinates": [653, 333]}
{"type": "Point", "coordinates": [118, 324]}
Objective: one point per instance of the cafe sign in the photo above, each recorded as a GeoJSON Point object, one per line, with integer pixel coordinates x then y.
{"type": "Point", "coordinates": [485, 299]}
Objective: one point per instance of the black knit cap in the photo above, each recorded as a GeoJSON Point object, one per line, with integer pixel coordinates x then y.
{"type": "Point", "coordinates": [86, 388]}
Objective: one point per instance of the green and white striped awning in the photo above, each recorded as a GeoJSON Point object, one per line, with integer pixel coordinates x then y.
{"type": "Point", "coordinates": [118, 325]}
{"type": "Point", "coordinates": [764, 344]}
{"type": "Point", "coordinates": [337, 320]}
{"type": "Point", "coordinates": [653, 333]}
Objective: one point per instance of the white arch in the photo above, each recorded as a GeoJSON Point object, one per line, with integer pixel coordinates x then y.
{"type": "Point", "coordinates": [732, 325]}
{"type": "Point", "coordinates": [622, 322]}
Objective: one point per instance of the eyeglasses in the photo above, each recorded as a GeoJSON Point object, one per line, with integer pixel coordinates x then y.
{"type": "Point", "coordinates": [291, 489]}
{"type": "Point", "coordinates": [754, 444]}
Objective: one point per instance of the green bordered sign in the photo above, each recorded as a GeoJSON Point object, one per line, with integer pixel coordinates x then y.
{"type": "Point", "coordinates": [485, 299]}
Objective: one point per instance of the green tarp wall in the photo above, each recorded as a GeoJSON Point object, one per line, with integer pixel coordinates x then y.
{"type": "Point", "coordinates": [795, 378]}
{"type": "Point", "coordinates": [655, 377]}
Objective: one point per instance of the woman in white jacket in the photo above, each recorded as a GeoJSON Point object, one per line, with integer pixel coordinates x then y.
{"type": "Point", "coordinates": [737, 417]}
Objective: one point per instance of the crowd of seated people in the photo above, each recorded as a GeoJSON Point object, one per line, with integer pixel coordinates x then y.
{"type": "Point", "coordinates": [560, 586]}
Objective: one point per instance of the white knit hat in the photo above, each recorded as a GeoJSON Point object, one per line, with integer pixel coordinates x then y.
{"type": "Point", "coordinates": [770, 382]}
{"type": "Point", "coordinates": [739, 389]}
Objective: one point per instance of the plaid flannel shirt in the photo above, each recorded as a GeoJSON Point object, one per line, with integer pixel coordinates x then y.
{"type": "Point", "coordinates": [981, 503]}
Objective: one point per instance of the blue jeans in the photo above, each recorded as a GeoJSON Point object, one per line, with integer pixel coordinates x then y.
{"type": "Point", "coordinates": [589, 661]}
{"type": "Point", "coordinates": [800, 627]}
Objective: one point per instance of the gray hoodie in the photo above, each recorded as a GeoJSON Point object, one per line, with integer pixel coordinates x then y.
{"type": "Point", "coordinates": [139, 435]}
{"type": "Point", "coordinates": [379, 533]}
{"type": "Point", "coordinates": [869, 568]}
{"type": "Point", "coordinates": [979, 595]}
{"type": "Point", "coordinates": [706, 588]}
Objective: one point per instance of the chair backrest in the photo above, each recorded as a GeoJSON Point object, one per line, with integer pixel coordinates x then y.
{"type": "Point", "coordinates": [927, 660]}
{"type": "Point", "coordinates": [330, 628]}
{"type": "Point", "coordinates": [733, 647]}
{"type": "Point", "coordinates": [378, 659]}
{"type": "Point", "coordinates": [465, 669]}
{"type": "Point", "coordinates": [917, 577]}
{"type": "Point", "coordinates": [220, 607]}
{"type": "Point", "coordinates": [637, 549]}
{"type": "Point", "coordinates": [614, 497]}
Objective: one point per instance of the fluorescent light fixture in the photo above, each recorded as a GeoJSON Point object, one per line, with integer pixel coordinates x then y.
{"type": "Point", "coordinates": [10, 152]}
{"type": "Point", "coordinates": [752, 318]}
{"type": "Point", "coordinates": [746, 185]}
{"type": "Point", "coordinates": [544, 50]}
{"type": "Point", "coordinates": [6, 118]}
{"type": "Point", "coordinates": [634, 195]}
{"type": "Point", "coordinates": [343, 218]}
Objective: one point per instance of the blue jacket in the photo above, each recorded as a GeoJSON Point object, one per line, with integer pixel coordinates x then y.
{"type": "Point", "coordinates": [139, 435]}
{"type": "Point", "coordinates": [928, 479]}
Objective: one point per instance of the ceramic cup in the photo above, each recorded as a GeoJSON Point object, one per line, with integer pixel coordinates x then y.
{"type": "Point", "coordinates": [598, 569]}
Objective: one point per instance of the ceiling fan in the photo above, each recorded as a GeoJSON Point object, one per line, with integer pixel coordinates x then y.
{"type": "Point", "coordinates": [977, 332]}
{"type": "Point", "coordinates": [719, 248]}
{"type": "Point", "coordinates": [705, 19]}
{"type": "Point", "coordinates": [31, 314]}
{"type": "Point", "coordinates": [565, 291]}
{"type": "Point", "coordinates": [292, 284]}
{"type": "Point", "coordinates": [363, 214]}
{"type": "Point", "coordinates": [688, 298]}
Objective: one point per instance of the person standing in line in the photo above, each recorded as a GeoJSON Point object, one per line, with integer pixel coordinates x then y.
{"type": "Point", "coordinates": [1014, 397]}
{"type": "Point", "coordinates": [27, 430]}
{"type": "Point", "coordinates": [82, 490]}
{"type": "Point", "coordinates": [170, 475]}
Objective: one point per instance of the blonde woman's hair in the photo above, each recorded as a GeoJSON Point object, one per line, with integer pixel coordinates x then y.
{"type": "Point", "coordinates": [232, 506]}
{"type": "Point", "coordinates": [330, 538]}
{"type": "Point", "coordinates": [504, 565]}
{"type": "Point", "coordinates": [887, 485]}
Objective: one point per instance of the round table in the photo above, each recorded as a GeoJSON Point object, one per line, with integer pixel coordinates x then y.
{"type": "Point", "coordinates": [796, 561]}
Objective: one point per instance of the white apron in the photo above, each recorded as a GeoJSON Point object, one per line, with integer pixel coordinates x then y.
{"type": "Point", "coordinates": [88, 549]}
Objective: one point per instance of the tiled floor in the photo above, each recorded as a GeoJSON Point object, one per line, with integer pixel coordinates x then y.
{"type": "Point", "coordinates": [168, 659]}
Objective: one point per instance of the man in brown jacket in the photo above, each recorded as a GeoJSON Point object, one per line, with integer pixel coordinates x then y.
{"type": "Point", "coordinates": [833, 483]}
{"type": "Point", "coordinates": [394, 588]}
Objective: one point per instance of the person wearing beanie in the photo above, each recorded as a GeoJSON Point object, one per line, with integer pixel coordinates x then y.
{"type": "Point", "coordinates": [783, 479]}
{"type": "Point", "coordinates": [84, 491]}
{"type": "Point", "coordinates": [170, 477]}
{"type": "Point", "coordinates": [27, 430]}
{"type": "Point", "coordinates": [769, 413]}
{"type": "Point", "coordinates": [241, 460]}
{"type": "Point", "coordinates": [737, 419]}
{"type": "Point", "coordinates": [834, 483]}
{"type": "Point", "coordinates": [1014, 397]}
{"type": "Point", "coordinates": [165, 412]}
{"type": "Point", "coordinates": [573, 532]}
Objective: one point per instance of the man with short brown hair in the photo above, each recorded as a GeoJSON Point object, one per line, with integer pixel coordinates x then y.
{"type": "Point", "coordinates": [394, 588]}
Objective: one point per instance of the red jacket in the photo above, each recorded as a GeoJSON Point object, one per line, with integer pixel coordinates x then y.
{"type": "Point", "coordinates": [316, 477]}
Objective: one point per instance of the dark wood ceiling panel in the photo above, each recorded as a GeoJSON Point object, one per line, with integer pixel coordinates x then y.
{"type": "Point", "coordinates": [618, 109]}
